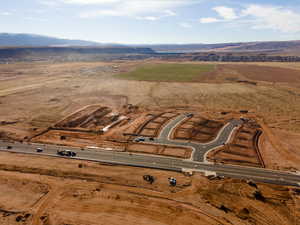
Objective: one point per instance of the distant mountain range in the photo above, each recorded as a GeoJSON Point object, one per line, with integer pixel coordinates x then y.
{"type": "Point", "coordinates": [33, 40]}
{"type": "Point", "coordinates": [270, 46]}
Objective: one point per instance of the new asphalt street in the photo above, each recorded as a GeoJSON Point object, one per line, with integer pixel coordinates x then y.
{"type": "Point", "coordinates": [157, 162]}
{"type": "Point", "coordinates": [199, 150]}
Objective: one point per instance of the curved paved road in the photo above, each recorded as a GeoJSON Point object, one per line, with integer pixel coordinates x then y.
{"type": "Point", "coordinates": [200, 150]}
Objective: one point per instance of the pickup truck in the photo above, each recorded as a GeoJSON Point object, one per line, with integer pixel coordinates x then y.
{"type": "Point", "coordinates": [67, 153]}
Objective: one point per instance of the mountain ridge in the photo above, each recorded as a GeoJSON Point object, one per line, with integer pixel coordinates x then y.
{"type": "Point", "coordinates": [35, 40]}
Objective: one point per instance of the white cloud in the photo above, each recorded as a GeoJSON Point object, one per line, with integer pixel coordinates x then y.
{"type": "Point", "coordinates": [209, 20]}
{"type": "Point", "coordinates": [258, 17]}
{"type": "Point", "coordinates": [147, 9]}
{"type": "Point", "coordinates": [170, 13]}
{"type": "Point", "coordinates": [5, 13]}
{"type": "Point", "coordinates": [272, 17]}
{"type": "Point", "coordinates": [89, 2]}
{"type": "Point", "coordinates": [226, 12]}
{"type": "Point", "coordinates": [49, 3]}
{"type": "Point", "coordinates": [150, 18]}
{"type": "Point", "coordinates": [185, 25]}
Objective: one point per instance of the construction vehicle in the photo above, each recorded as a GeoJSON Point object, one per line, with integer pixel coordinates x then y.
{"type": "Point", "coordinates": [150, 179]}
{"type": "Point", "coordinates": [189, 115]}
{"type": "Point", "coordinates": [172, 181]}
{"type": "Point", "coordinates": [66, 153]}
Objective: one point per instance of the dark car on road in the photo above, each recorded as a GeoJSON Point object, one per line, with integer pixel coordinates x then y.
{"type": "Point", "coordinates": [140, 139]}
{"type": "Point", "coordinates": [66, 153]}
{"type": "Point", "coordinates": [39, 150]}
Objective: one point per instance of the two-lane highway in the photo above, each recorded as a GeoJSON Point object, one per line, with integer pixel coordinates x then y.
{"type": "Point", "coordinates": [158, 162]}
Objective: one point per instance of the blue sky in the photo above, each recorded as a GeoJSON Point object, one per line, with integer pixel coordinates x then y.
{"type": "Point", "coordinates": [154, 21]}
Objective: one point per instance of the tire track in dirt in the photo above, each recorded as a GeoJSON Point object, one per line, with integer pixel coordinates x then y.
{"type": "Point", "coordinates": [15, 90]}
{"type": "Point", "coordinates": [44, 203]}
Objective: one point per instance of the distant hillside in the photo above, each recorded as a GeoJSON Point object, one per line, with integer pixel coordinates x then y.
{"type": "Point", "coordinates": [277, 46]}
{"type": "Point", "coordinates": [188, 47]}
{"type": "Point", "coordinates": [32, 40]}
{"type": "Point", "coordinates": [72, 53]}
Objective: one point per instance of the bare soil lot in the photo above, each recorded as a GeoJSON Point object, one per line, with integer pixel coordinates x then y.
{"type": "Point", "coordinates": [103, 194]}
{"type": "Point", "coordinates": [243, 149]}
{"type": "Point", "coordinates": [198, 129]}
{"type": "Point", "coordinates": [160, 150]}
{"type": "Point", "coordinates": [155, 122]}
{"type": "Point", "coordinates": [266, 73]}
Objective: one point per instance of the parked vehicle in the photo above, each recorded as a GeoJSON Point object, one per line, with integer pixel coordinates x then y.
{"type": "Point", "coordinates": [150, 179]}
{"type": "Point", "coordinates": [172, 181]}
{"type": "Point", "coordinates": [140, 139]}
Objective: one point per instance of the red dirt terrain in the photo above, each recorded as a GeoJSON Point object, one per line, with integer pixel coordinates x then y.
{"type": "Point", "coordinates": [60, 191]}
{"type": "Point", "coordinates": [71, 104]}
{"type": "Point", "coordinates": [266, 73]}
{"type": "Point", "coordinates": [198, 129]}
{"type": "Point", "coordinates": [243, 149]}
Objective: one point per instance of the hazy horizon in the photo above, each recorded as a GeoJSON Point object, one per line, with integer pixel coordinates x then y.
{"type": "Point", "coordinates": [155, 21]}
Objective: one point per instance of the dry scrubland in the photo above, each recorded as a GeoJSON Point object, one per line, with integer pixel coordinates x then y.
{"type": "Point", "coordinates": [35, 96]}
{"type": "Point", "coordinates": [41, 94]}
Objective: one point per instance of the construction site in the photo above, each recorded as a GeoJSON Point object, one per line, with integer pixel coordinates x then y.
{"type": "Point", "coordinates": [99, 126]}
{"type": "Point", "coordinates": [81, 144]}
{"type": "Point", "coordinates": [243, 149]}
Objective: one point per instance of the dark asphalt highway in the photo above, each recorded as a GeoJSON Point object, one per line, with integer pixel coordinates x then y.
{"type": "Point", "coordinates": [157, 162]}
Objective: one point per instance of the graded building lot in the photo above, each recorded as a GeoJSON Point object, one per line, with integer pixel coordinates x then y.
{"type": "Point", "coordinates": [160, 150]}
{"type": "Point", "coordinates": [198, 129]}
{"type": "Point", "coordinates": [244, 148]}
{"type": "Point", "coordinates": [152, 126]}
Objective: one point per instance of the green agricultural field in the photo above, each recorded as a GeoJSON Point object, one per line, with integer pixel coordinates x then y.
{"type": "Point", "coordinates": [168, 72]}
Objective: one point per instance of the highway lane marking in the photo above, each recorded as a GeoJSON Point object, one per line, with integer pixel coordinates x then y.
{"type": "Point", "coordinates": [174, 160]}
{"type": "Point", "coordinates": [260, 179]}
{"type": "Point", "coordinates": [180, 164]}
